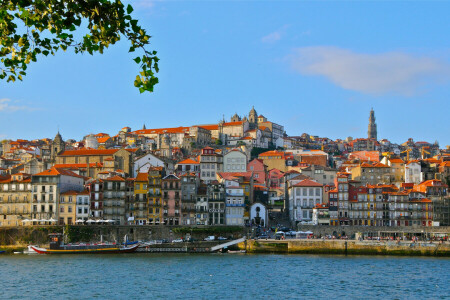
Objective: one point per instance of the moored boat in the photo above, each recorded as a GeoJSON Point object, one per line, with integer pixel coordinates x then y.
{"type": "Point", "coordinates": [58, 247]}
{"type": "Point", "coordinates": [2, 251]}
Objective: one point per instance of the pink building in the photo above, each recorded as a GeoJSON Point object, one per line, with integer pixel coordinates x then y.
{"type": "Point", "coordinates": [171, 192]}
{"type": "Point", "coordinates": [259, 171]}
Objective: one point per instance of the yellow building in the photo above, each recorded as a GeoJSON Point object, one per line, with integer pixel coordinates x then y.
{"type": "Point", "coordinates": [140, 208]}
{"type": "Point", "coordinates": [67, 208]}
{"type": "Point", "coordinates": [155, 211]}
{"type": "Point", "coordinates": [397, 169]}
{"type": "Point", "coordinates": [15, 200]}
{"type": "Point", "coordinates": [274, 160]}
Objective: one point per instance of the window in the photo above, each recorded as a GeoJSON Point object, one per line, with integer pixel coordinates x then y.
{"type": "Point", "coordinates": [61, 209]}
{"type": "Point", "coordinates": [69, 209]}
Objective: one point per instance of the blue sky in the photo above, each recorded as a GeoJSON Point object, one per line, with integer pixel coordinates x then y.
{"type": "Point", "coordinates": [312, 66]}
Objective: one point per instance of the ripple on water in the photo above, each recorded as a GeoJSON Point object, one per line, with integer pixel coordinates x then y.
{"type": "Point", "coordinates": [181, 276]}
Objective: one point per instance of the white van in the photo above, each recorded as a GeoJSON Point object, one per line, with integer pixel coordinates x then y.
{"type": "Point", "coordinates": [209, 238]}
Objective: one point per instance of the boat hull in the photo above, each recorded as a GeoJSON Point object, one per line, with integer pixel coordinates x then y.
{"type": "Point", "coordinates": [86, 251]}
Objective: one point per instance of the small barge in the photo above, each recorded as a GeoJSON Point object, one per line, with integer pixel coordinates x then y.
{"type": "Point", "coordinates": [58, 247]}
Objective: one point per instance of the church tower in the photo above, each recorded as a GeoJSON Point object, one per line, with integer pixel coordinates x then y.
{"type": "Point", "coordinates": [372, 132]}
{"type": "Point", "coordinates": [253, 119]}
{"type": "Point", "coordinates": [58, 146]}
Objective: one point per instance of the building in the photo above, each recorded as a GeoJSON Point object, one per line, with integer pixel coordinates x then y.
{"type": "Point", "coordinates": [274, 160]}
{"type": "Point", "coordinates": [235, 204]}
{"type": "Point", "coordinates": [144, 162]}
{"type": "Point", "coordinates": [413, 172]}
{"type": "Point", "coordinates": [210, 163]}
{"type": "Point", "coordinates": [112, 159]}
{"type": "Point", "coordinates": [46, 189]}
{"type": "Point", "coordinates": [188, 165]}
{"type": "Point", "coordinates": [202, 206]}
{"type": "Point", "coordinates": [321, 215]}
{"type": "Point", "coordinates": [321, 174]}
{"type": "Point", "coordinates": [235, 161]}
{"type": "Point", "coordinates": [216, 203]}
{"type": "Point", "coordinates": [368, 173]}
{"type": "Point", "coordinates": [116, 196]}
{"type": "Point", "coordinates": [82, 206]}
{"type": "Point", "coordinates": [138, 209]}
{"type": "Point", "coordinates": [171, 197]}
{"type": "Point", "coordinates": [15, 196]}
{"type": "Point", "coordinates": [259, 215]}
{"type": "Point", "coordinates": [95, 189]}
{"type": "Point", "coordinates": [155, 209]}
{"type": "Point", "coordinates": [67, 208]}
{"type": "Point", "coordinates": [189, 184]}
{"type": "Point", "coordinates": [259, 170]}
{"type": "Point", "coordinates": [303, 197]}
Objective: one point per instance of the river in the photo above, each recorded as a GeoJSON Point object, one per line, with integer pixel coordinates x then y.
{"type": "Point", "coordinates": [219, 276]}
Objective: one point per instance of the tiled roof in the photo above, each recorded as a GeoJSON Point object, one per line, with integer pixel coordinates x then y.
{"type": "Point", "coordinates": [188, 161]}
{"type": "Point", "coordinates": [308, 183]}
{"type": "Point", "coordinates": [142, 177]}
{"type": "Point", "coordinates": [84, 152]}
{"type": "Point", "coordinates": [56, 172]}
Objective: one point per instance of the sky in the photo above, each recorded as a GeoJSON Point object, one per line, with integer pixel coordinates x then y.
{"type": "Point", "coordinates": [313, 66]}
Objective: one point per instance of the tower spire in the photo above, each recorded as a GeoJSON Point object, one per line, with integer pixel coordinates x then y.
{"type": "Point", "coordinates": [372, 130]}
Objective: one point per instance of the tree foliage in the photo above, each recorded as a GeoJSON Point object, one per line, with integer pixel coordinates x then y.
{"type": "Point", "coordinates": [33, 28]}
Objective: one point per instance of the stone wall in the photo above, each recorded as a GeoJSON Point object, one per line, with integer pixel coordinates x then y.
{"type": "Point", "coordinates": [345, 247]}
{"type": "Point", "coordinates": [23, 236]}
{"type": "Point", "coordinates": [370, 230]}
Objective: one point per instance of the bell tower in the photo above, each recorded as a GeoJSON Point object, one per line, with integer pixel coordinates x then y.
{"type": "Point", "coordinates": [372, 131]}
{"type": "Point", "coordinates": [58, 146]}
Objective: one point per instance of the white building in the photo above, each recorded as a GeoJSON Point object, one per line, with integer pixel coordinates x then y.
{"type": "Point", "coordinates": [303, 196]}
{"type": "Point", "coordinates": [413, 172]}
{"type": "Point", "coordinates": [259, 214]}
{"type": "Point", "coordinates": [91, 142]}
{"type": "Point", "coordinates": [235, 161]}
{"type": "Point", "coordinates": [82, 206]}
{"type": "Point", "coordinates": [210, 164]}
{"type": "Point", "coordinates": [201, 209]}
{"type": "Point", "coordinates": [235, 204]}
{"type": "Point", "coordinates": [143, 163]}
{"type": "Point", "coordinates": [46, 189]}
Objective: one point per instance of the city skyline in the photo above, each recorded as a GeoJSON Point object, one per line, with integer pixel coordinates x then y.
{"type": "Point", "coordinates": [213, 65]}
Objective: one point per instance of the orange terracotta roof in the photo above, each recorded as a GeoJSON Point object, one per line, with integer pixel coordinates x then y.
{"type": "Point", "coordinates": [84, 152]}
{"type": "Point", "coordinates": [103, 139]}
{"type": "Point", "coordinates": [396, 161]}
{"type": "Point", "coordinates": [142, 177]}
{"type": "Point", "coordinates": [188, 161]}
{"type": "Point", "coordinates": [58, 171]}
{"type": "Point", "coordinates": [115, 178]}
{"type": "Point", "coordinates": [77, 166]}
{"type": "Point", "coordinates": [308, 183]}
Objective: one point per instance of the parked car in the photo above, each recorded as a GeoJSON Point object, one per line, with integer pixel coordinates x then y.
{"type": "Point", "coordinates": [221, 238]}
{"type": "Point", "coordinates": [209, 238]}
{"type": "Point", "coordinates": [263, 237]}
{"type": "Point", "coordinates": [291, 233]}
{"type": "Point", "coordinates": [177, 241]}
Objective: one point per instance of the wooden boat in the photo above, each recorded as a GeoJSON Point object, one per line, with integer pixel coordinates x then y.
{"type": "Point", "coordinates": [58, 247]}
{"type": "Point", "coordinates": [76, 249]}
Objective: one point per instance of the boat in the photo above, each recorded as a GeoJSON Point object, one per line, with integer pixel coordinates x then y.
{"type": "Point", "coordinates": [2, 251]}
{"type": "Point", "coordinates": [58, 247]}
{"type": "Point", "coordinates": [30, 250]}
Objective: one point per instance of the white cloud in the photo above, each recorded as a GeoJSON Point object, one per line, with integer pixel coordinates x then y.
{"type": "Point", "coordinates": [144, 4]}
{"type": "Point", "coordinates": [5, 105]}
{"type": "Point", "coordinates": [274, 36]}
{"type": "Point", "coordinates": [391, 72]}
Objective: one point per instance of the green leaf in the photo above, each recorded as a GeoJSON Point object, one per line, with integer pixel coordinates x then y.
{"type": "Point", "coordinates": [129, 9]}
{"type": "Point", "coordinates": [137, 59]}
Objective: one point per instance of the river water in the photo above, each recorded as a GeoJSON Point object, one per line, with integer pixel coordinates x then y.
{"type": "Point", "coordinates": [222, 276]}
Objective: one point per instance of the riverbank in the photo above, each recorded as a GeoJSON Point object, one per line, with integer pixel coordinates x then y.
{"type": "Point", "coordinates": [347, 247]}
